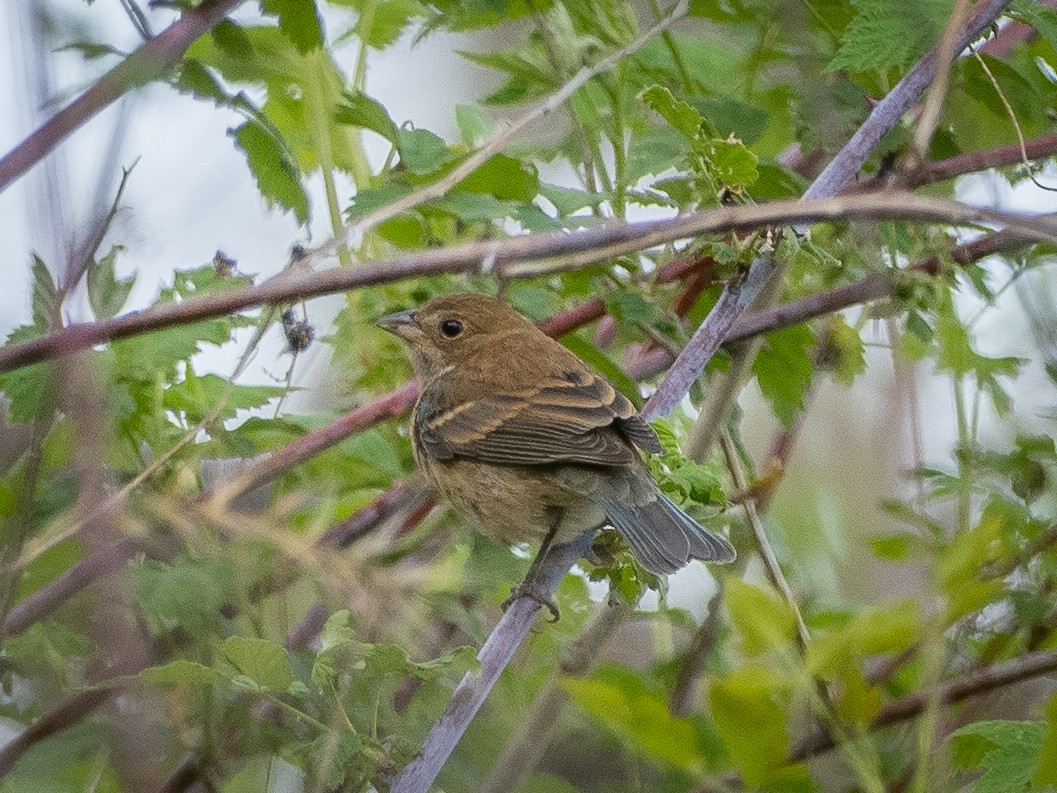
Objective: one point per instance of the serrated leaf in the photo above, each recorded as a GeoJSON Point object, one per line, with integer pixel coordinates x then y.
{"type": "Point", "coordinates": [761, 618]}
{"type": "Point", "coordinates": [45, 295]}
{"type": "Point", "coordinates": [360, 110]}
{"type": "Point", "coordinates": [260, 661]}
{"type": "Point", "coordinates": [381, 21]}
{"type": "Point", "coordinates": [197, 395]}
{"type": "Point", "coordinates": [681, 115]}
{"type": "Point", "coordinates": [731, 162]}
{"type": "Point", "coordinates": [886, 33]}
{"type": "Point", "coordinates": [1005, 750]}
{"type": "Point", "coordinates": [784, 370]}
{"type": "Point", "coordinates": [180, 671]}
{"type": "Point", "coordinates": [277, 173]}
{"type": "Point", "coordinates": [298, 21]}
{"type": "Point", "coordinates": [107, 294]}
{"type": "Point", "coordinates": [421, 151]}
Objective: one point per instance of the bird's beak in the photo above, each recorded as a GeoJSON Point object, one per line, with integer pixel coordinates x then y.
{"type": "Point", "coordinates": [401, 324]}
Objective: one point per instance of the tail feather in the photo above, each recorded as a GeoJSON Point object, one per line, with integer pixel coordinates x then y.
{"type": "Point", "coordinates": [663, 537]}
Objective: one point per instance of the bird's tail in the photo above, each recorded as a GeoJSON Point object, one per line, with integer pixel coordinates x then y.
{"type": "Point", "coordinates": [663, 537]}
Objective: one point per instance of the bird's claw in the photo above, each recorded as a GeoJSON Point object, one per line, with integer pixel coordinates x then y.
{"type": "Point", "coordinates": [524, 590]}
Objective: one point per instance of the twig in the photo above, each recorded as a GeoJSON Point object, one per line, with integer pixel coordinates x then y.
{"type": "Point", "coordinates": [973, 684]}
{"type": "Point", "coordinates": [493, 657]}
{"type": "Point", "coordinates": [1012, 118]}
{"type": "Point", "coordinates": [522, 257]}
{"type": "Point", "coordinates": [842, 168]}
{"type": "Point", "coordinates": [500, 141]}
{"type": "Point", "coordinates": [152, 60]}
{"type": "Point", "coordinates": [525, 748]}
{"type": "Point", "coordinates": [763, 543]}
{"type": "Point", "coordinates": [65, 714]}
{"type": "Point", "coordinates": [945, 54]}
{"type": "Point", "coordinates": [705, 638]}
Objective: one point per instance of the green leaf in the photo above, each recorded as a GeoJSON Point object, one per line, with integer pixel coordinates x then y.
{"type": "Point", "coordinates": [784, 370]}
{"type": "Point", "coordinates": [107, 294]}
{"type": "Point", "coordinates": [186, 594]}
{"type": "Point", "coordinates": [568, 200]}
{"type": "Point", "coordinates": [232, 40]}
{"type": "Point", "coordinates": [1006, 751]}
{"type": "Point", "coordinates": [886, 33]}
{"type": "Point", "coordinates": [360, 110]}
{"type": "Point", "coordinates": [198, 395]}
{"type": "Point", "coordinates": [336, 637]}
{"type": "Point", "coordinates": [298, 21]}
{"type": "Point", "coordinates": [641, 720]}
{"type": "Point", "coordinates": [762, 619]}
{"type": "Point", "coordinates": [147, 357]}
{"type": "Point", "coordinates": [422, 152]}
{"type": "Point", "coordinates": [505, 178]}
{"type": "Point", "coordinates": [749, 708]}
{"type": "Point", "coordinates": [631, 307]}
{"type": "Point", "coordinates": [45, 295]}
{"type": "Point", "coordinates": [1046, 770]}
{"type": "Point", "coordinates": [277, 173]}
{"type": "Point", "coordinates": [262, 662]}
{"type": "Point", "coordinates": [731, 117]}
{"type": "Point", "coordinates": [381, 21]}
{"type": "Point", "coordinates": [731, 161]}
{"type": "Point", "coordinates": [28, 390]}
{"type": "Point", "coordinates": [681, 115]}
{"type": "Point", "coordinates": [180, 671]}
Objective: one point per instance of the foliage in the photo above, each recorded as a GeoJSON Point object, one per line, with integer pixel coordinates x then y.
{"type": "Point", "coordinates": [274, 655]}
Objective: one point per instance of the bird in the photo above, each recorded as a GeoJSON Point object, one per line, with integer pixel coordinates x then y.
{"type": "Point", "coordinates": [526, 443]}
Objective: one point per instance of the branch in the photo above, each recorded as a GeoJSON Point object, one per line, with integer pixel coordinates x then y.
{"type": "Point", "coordinates": [504, 640]}
{"type": "Point", "coordinates": [520, 257]}
{"type": "Point", "coordinates": [983, 681]}
{"type": "Point", "coordinates": [151, 61]}
{"type": "Point", "coordinates": [493, 657]}
{"type": "Point", "coordinates": [498, 143]}
{"type": "Point", "coordinates": [886, 114]}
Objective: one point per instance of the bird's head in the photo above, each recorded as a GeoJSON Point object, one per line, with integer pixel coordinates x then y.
{"type": "Point", "coordinates": [452, 330]}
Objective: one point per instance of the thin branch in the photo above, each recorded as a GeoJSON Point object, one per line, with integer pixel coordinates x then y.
{"type": "Point", "coordinates": [972, 162]}
{"type": "Point", "coordinates": [500, 141]}
{"type": "Point", "coordinates": [886, 114]}
{"type": "Point", "coordinates": [983, 681]}
{"type": "Point", "coordinates": [493, 657]}
{"type": "Point", "coordinates": [763, 543]}
{"type": "Point", "coordinates": [705, 637]}
{"type": "Point", "coordinates": [945, 54]}
{"type": "Point", "coordinates": [525, 748]}
{"type": "Point", "coordinates": [151, 61]}
{"type": "Point", "coordinates": [65, 714]}
{"type": "Point", "coordinates": [523, 257]}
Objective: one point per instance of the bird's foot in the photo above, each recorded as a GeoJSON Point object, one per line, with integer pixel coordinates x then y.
{"type": "Point", "coordinates": [527, 589]}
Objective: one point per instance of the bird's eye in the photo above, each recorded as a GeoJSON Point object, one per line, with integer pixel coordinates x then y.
{"type": "Point", "coordinates": [451, 328]}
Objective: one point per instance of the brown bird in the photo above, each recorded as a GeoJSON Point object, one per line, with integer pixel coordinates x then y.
{"type": "Point", "coordinates": [525, 442]}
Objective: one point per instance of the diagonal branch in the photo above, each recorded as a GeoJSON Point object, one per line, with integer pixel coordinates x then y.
{"type": "Point", "coordinates": [151, 61]}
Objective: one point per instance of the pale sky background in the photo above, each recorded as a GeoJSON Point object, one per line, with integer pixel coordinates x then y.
{"type": "Point", "coordinates": [192, 194]}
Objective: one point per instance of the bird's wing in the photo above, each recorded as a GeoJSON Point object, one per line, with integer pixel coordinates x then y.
{"type": "Point", "coordinates": [578, 418]}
